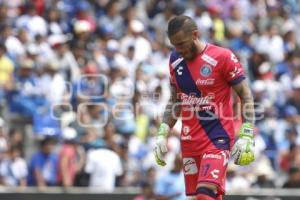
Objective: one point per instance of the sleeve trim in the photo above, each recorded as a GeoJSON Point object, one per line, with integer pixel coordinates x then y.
{"type": "Point", "coordinates": [237, 80]}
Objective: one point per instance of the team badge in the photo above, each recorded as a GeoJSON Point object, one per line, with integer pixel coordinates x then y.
{"type": "Point", "coordinates": [186, 130]}
{"type": "Point", "coordinates": [206, 70]}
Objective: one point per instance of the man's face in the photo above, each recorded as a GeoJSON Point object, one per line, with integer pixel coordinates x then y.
{"type": "Point", "coordinates": [184, 44]}
{"type": "Point", "coordinates": [47, 148]}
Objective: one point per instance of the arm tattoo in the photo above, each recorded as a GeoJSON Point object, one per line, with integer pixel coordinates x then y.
{"type": "Point", "coordinates": [173, 108]}
{"type": "Point", "coordinates": [247, 105]}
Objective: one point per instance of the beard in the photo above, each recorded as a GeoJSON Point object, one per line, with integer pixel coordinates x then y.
{"type": "Point", "coordinates": [192, 53]}
{"type": "Point", "coordinates": [194, 50]}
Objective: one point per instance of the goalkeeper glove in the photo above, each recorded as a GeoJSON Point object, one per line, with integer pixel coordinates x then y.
{"type": "Point", "coordinates": [161, 148]}
{"type": "Point", "coordinates": [243, 149]}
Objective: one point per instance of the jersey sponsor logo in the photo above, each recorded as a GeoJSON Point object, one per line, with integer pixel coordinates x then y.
{"type": "Point", "coordinates": [215, 173]}
{"type": "Point", "coordinates": [209, 81]}
{"type": "Point", "coordinates": [186, 137]}
{"type": "Point", "coordinates": [179, 70]}
{"type": "Point", "coordinates": [235, 72]}
{"type": "Point", "coordinates": [189, 166]}
{"type": "Point", "coordinates": [205, 70]}
{"type": "Point", "coordinates": [186, 130]}
{"type": "Point", "coordinates": [186, 133]}
{"type": "Point", "coordinates": [213, 156]}
{"type": "Point", "coordinates": [225, 155]}
{"type": "Point", "coordinates": [222, 155]}
{"type": "Point", "coordinates": [176, 62]}
{"type": "Point", "coordinates": [192, 100]}
{"type": "Point", "coordinates": [221, 141]}
{"type": "Point", "coordinates": [209, 60]}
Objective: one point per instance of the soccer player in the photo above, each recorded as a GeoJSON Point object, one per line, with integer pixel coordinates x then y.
{"type": "Point", "coordinates": [202, 78]}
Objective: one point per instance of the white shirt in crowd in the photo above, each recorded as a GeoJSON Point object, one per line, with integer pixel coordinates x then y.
{"type": "Point", "coordinates": [55, 86]}
{"type": "Point", "coordinates": [142, 46]}
{"type": "Point", "coordinates": [34, 24]}
{"type": "Point", "coordinates": [12, 171]}
{"type": "Point", "coordinates": [272, 46]}
{"type": "Point", "coordinates": [14, 46]}
{"type": "Point", "coordinates": [103, 165]}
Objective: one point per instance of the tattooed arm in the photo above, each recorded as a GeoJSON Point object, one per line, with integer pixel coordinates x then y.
{"type": "Point", "coordinates": [171, 114]}
{"type": "Point", "coordinates": [173, 108]}
{"type": "Point", "coordinates": [243, 91]}
{"type": "Point", "coordinates": [243, 149]}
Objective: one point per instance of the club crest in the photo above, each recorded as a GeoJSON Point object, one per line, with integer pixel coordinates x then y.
{"type": "Point", "coordinates": [206, 70]}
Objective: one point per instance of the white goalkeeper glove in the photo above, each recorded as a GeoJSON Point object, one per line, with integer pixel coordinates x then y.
{"type": "Point", "coordinates": [243, 149]}
{"type": "Point", "coordinates": [161, 148]}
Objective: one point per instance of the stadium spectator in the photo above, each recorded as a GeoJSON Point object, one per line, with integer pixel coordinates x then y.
{"type": "Point", "coordinates": [111, 21]}
{"type": "Point", "coordinates": [68, 65]}
{"type": "Point", "coordinates": [32, 22]}
{"type": "Point", "coordinates": [24, 95]}
{"type": "Point", "coordinates": [147, 192]}
{"type": "Point", "coordinates": [13, 169]}
{"type": "Point", "coordinates": [4, 140]}
{"type": "Point", "coordinates": [104, 166]}
{"type": "Point", "coordinates": [53, 82]}
{"type": "Point", "coordinates": [171, 185]}
{"type": "Point", "coordinates": [43, 166]}
{"type": "Point", "coordinates": [16, 139]}
{"type": "Point", "coordinates": [70, 159]}
{"type": "Point", "coordinates": [6, 70]}
{"type": "Point", "coordinates": [134, 37]}
{"type": "Point", "coordinates": [293, 179]}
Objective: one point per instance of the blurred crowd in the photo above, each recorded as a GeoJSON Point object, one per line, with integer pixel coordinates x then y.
{"type": "Point", "coordinates": [83, 85]}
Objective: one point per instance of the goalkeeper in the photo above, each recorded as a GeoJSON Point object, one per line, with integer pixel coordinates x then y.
{"type": "Point", "coordinates": [202, 78]}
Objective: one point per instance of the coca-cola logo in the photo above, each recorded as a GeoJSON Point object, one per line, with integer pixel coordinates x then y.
{"type": "Point", "coordinates": [205, 81]}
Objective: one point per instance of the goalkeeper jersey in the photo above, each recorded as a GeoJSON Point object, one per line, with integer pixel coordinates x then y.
{"type": "Point", "coordinates": [205, 86]}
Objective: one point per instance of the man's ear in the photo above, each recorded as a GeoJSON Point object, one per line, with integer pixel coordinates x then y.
{"type": "Point", "coordinates": [195, 34]}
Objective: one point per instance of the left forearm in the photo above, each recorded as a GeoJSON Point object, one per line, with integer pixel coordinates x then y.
{"type": "Point", "coordinates": [66, 179]}
{"type": "Point", "coordinates": [248, 114]}
{"type": "Point", "coordinates": [243, 149]}
{"type": "Point", "coordinates": [247, 105]}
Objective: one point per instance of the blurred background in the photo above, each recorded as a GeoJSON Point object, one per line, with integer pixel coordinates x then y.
{"type": "Point", "coordinates": [83, 84]}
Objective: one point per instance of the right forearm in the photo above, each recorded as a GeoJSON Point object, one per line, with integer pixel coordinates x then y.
{"type": "Point", "coordinates": [173, 108]}
{"type": "Point", "coordinates": [171, 114]}
{"type": "Point", "coordinates": [39, 178]}
{"type": "Point", "coordinates": [66, 179]}
{"type": "Point", "coordinates": [23, 182]}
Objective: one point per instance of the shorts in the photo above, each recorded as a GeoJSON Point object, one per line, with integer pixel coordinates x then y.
{"type": "Point", "coordinates": [209, 167]}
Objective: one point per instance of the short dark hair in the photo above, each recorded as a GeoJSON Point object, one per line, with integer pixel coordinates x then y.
{"type": "Point", "coordinates": [47, 140]}
{"type": "Point", "coordinates": [182, 22]}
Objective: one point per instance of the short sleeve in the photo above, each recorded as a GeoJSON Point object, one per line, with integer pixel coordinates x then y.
{"type": "Point", "coordinates": [234, 72]}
